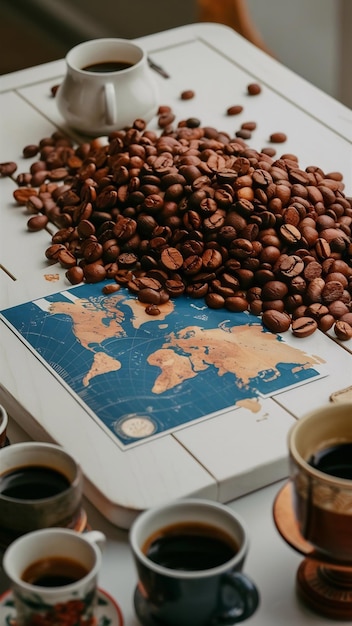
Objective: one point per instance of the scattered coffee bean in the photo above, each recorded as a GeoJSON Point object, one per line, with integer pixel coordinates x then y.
{"type": "Point", "coordinates": [38, 222]}
{"type": "Point", "coordinates": [276, 321]}
{"type": "Point", "coordinates": [278, 138]}
{"type": "Point", "coordinates": [8, 168]}
{"type": "Point", "coordinates": [304, 326]}
{"type": "Point", "coordinates": [235, 109]}
{"type": "Point", "coordinates": [188, 94]}
{"type": "Point", "coordinates": [343, 331]}
{"type": "Point", "coordinates": [30, 151]}
{"type": "Point", "coordinates": [254, 89]}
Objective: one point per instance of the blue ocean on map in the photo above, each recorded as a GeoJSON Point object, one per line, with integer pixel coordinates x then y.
{"type": "Point", "coordinates": [115, 377]}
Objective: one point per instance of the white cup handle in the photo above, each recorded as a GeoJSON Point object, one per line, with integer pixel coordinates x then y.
{"type": "Point", "coordinates": [110, 104]}
{"type": "Point", "coordinates": [95, 536]}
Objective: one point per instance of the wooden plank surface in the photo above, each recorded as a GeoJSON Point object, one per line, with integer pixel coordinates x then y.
{"type": "Point", "coordinates": [218, 65]}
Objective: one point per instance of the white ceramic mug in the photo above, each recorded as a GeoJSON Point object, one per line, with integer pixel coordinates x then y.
{"type": "Point", "coordinates": [98, 102]}
{"type": "Point", "coordinates": [49, 597]}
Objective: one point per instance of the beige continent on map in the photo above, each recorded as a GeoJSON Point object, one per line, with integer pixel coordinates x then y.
{"type": "Point", "coordinates": [244, 351]}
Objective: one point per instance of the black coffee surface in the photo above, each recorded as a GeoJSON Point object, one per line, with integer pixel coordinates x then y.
{"type": "Point", "coordinates": [190, 549]}
{"type": "Point", "coordinates": [107, 66]}
{"type": "Point", "coordinates": [54, 572]}
{"type": "Point", "coordinates": [335, 460]}
{"type": "Point", "coordinates": [32, 483]}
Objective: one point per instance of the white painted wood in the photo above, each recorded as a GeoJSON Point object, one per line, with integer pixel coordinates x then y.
{"type": "Point", "coordinates": [193, 460]}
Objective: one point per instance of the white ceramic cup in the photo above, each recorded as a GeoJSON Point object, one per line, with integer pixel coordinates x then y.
{"type": "Point", "coordinates": [97, 103]}
{"type": "Point", "coordinates": [35, 603]}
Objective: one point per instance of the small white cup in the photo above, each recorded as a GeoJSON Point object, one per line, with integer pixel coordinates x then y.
{"type": "Point", "coordinates": [97, 103]}
{"type": "Point", "coordinates": [35, 602]}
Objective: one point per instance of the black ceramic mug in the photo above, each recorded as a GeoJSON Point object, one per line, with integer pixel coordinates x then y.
{"type": "Point", "coordinates": [189, 556]}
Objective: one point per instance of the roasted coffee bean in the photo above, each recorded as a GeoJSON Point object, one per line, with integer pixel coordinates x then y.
{"type": "Point", "coordinates": [30, 151]}
{"type": "Point", "coordinates": [235, 109]}
{"type": "Point", "coordinates": [304, 326]}
{"type": "Point", "coordinates": [94, 272]}
{"type": "Point", "coordinates": [291, 266]}
{"type": "Point", "coordinates": [75, 275]}
{"type": "Point", "coordinates": [22, 194]}
{"type": "Point", "coordinates": [343, 331]}
{"type": "Point", "coordinates": [253, 89]}
{"type": "Point", "coordinates": [38, 222]}
{"type": "Point", "coordinates": [276, 321]}
{"type": "Point", "coordinates": [110, 288]}
{"type": "Point", "coordinates": [8, 168]}
{"type": "Point", "coordinates": [187, 94]}
{"type": "Point", "coordinates": [278, 137]}
{"type": "Point", "coordinates": [273, 290]}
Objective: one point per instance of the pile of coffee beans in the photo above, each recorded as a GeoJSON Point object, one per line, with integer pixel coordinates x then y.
{"type": "Point", "coordinates": [191, 210]}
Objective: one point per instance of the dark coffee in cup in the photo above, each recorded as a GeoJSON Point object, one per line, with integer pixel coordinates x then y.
{"type": "Point", "coordinates": [107, 66]}
{"type": "Point", "coordinates": [190, 547]}
{"type": "Point", "coordinates": [54, 572]}
{"type": "Point", "coordinates": [33, 483]}
{"type": "Point", "coordinates": [335, 460]}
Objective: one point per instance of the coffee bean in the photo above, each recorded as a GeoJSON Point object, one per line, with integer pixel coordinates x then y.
{"type": "Point", "coordinates": [343, 331]}
{"type": "Point", "coordinates": [8, 168]}
{"type": "Point", "coordinates": [38, 222]}
{"type": "Point", "coordinates": [278, 137]}
{"type": "Point", "coordinates": [276, 321]}
{"type": "Point", "coordinates": [187, 94]}
{"type": "Point", "coordinates": [235, 109]}
{"type": "Point", "coordinates": [253, 89]}
{"type": "Point", "coordinates": [304, 326]}
{"type": "Point", "coordinates": [75, 275]}
{"type": "Point", "coordinates": [110, 288]}
{"type": "Point", "coordinates": [30, 151]}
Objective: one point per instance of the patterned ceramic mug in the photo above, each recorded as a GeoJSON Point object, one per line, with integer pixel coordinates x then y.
{"type": "Point", "coordinates": [53, 575]}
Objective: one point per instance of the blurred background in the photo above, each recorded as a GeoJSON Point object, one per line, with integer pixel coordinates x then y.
{"type": "Point", "coordinates": [311, 37]}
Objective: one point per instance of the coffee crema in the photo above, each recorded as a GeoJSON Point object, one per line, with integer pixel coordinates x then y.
{"type": "Point", "coordinates": [107, 66]}
{"type": "Point", "coordinates": [190, 546]}
{"type": "Point", "coordinates": [54, 572]}
{"type": "Point", "coordinates": [32, 482]}
{"type": "Point", "coordinates": [335, 460]}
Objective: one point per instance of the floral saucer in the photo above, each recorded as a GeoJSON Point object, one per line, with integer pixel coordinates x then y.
{"type": "Point", "coordinates": [108, 612]}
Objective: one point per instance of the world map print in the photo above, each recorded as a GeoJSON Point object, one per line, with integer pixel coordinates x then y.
{"type": "Point", "coordinates": [142, 376]}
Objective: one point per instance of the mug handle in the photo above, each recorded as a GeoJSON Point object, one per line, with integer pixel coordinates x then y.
{"type": "Point", "coordinates": [240, 599]}
{"type": "Point", "coordinates": [110, 104]}
{"type": "Point", "coordinates": [95, 536]}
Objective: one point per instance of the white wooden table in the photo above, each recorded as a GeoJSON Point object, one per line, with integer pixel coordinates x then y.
{"type": "Point", "coordinates": [208, 458]}
{"type": "Point", "coordinates": [239, 451]}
